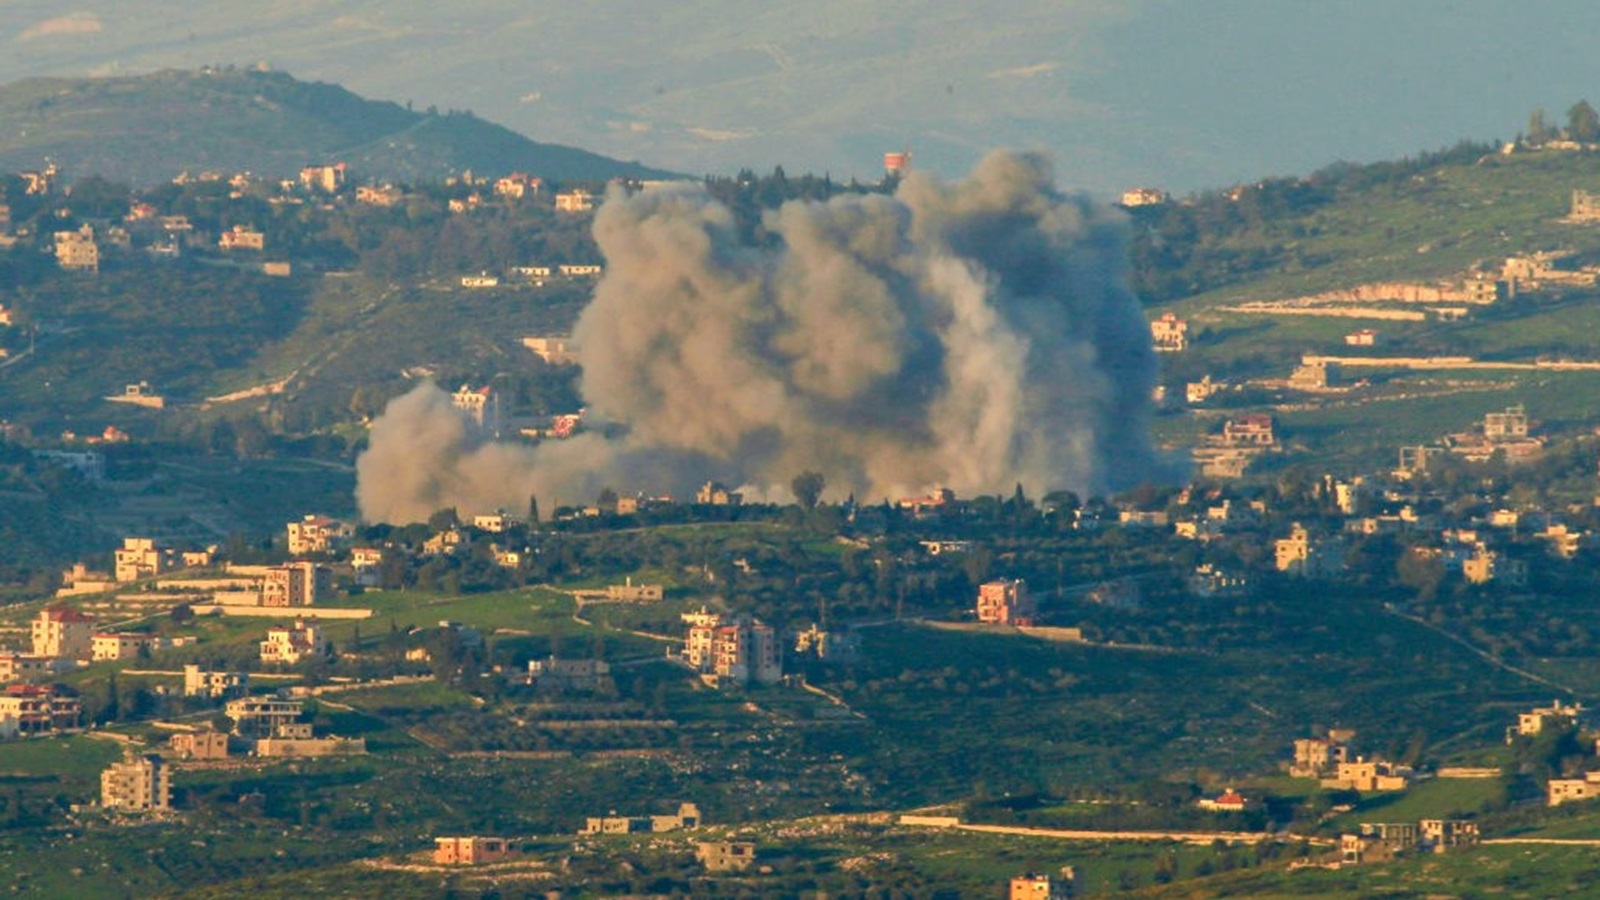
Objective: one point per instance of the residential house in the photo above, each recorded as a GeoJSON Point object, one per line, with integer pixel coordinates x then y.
{"type": "Point", "coordinates": [516, 186]}
{"type": "Point", "coordinates": [63, 633]}
{"type": "Point", "coordinates": [137, 784]}
{"type": "Point", "coordinates": [137, 559]}
{"type": "Point", "coordinates": [201, 745]}
{"type": "Point", "coordinates": [481, 280]}
{"type": "Point", "coordinates": [555, 351]}
{"type": "Point", "coordinates": [1365, 337]}
{"type": "Point", "coordinates": [828, 646]}
{"type": "Point", "coordinates": [575, 201]}
{"type": "Point", "coordinates": [687, 816]}
{"type": "Point", "coordinates": [725, 856]}
{"type": "Point", "coordinates": [585, 270]}
{"type": "Point", "coordinates": [563, 675]}
{"type": "Point", "coordinates": [715, 493]}
{"type": "Point", "coordinates": [384, 195]}
{"type": "Point", "coordinates": [327, 179]}
{"type": "Point", "coordinates": [198, 682]}
{"type": "Point", "coordinates": [1169, 333]}
{"type": "Point", "coordinates": [1556, 715]}
{"type": "Point", "coordinates": [1316, 757]}
{"type": "Point", "coordinates": [1368, 775]}
{"type": "Point", "coordinates": [1229, 800]}
{"type": "Point", "coordinates": [241, 238]}
{"type": "Point", "coordinates": [1033, 886]}
{"type": "Point", "coordinates": [629, 592]}
{"type": "Point", "coordinates": [294, 584]}
{"type": "Point", "coordinates": [445, 542]}
{"type": "Point", "coordinates": [1005, 602]}
{"type": "Point", "coordinates": [1250, 430]}
{"type": "Point", "coordinates": [1144, 196]}
{"type": "Point", "coordinates": [740, 649]}
{"type": "Point", "coordinates": [1378, 842]}
{"type": "Point", "coordinates": [1569, 790]}
{"type": "Point", "coordinates": [263, 716]}
{"type": "Point", "coordinates": [291, 644]}
{"type": "Point", "coordinates": [77, 251]}
{"type": "Point", "coordinates": [124, 645]}
{"type": "Point", "coordinates": [481, 406]}
{"type": "Point", "coordinates": [1442, 835]}
{"type": "Point", "coordinates": [366, 564]}
{"type": "Point", "coordinates": [471, 851]}
{"type": "Point", "coordinates": [37, 708]}
{"type": "Point", "coordinates": [495, 522]}
{"type": "Point", "coordinates": [26, 667]}
{"type": "Point", "coordinates": [316, 534]}
{"type": "Point", "coordinates": [1300, 554]}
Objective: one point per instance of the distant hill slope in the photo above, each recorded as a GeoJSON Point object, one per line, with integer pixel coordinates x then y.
{"type": "Point", "coordinates": [149, 128]}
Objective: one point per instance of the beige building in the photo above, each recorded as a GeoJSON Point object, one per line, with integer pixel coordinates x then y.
{"type": "Point", "coordinates": [470, 851]}
{"type": "Point", "coordinates": [687, 816]}
{"type": "Point", "coordinates": [629, 592]}
{"type": "Point", "coordinates": [123, 645]}
{"type": "Point", "coordinates": [200, 745]}
{"type": "Point", "coordinates": [1169, 334]}
{"type": "Point", "coordinates": [1005, 602]}
{"type": "Point", "coordinates": [77, 251]}
{"type": "Point", "coordinates": [557, 351]}
{"type": "Point", "coordinates": [1315, 757]}
{"type": "Point", "coordinates": [574, 201]}
{"type": "Point", "coordinates": [291, 644]}
{"type": "Point", "coordinates": [725, 856]}
{"type": "Point", "coordinates": [198, 682]}
{"type": "Point", "coordinates": [294, 584]}
{"type": "Point", "coordinates": [1032, 886]}
{"type": "Point", "coordinates": [302, 745]}
{"type": "Point", "coordinates": [1568, 790]}
{"type": "Point", "coordinates": [1556, 715]}
{"type": "Point", "coordinates": [316, 534]}
{"type": "Point", "coordinates": [739, 650]}
{"type": "Point", "coordinates": [25, 667]}
{"type": "Point", "coordinates": [64, 633]}
{"type": "Point", "coordinates": [138, 558]}
{"type": "Point", "coordinates": [263, 716]}
{"type": "Point", "coordinates": [137, 784]}
{"type": "Point", "coordinates": [1366, 775]}
{"type": "Point", "coordinates": [37, 708]}
{"type": "Point", "coordinates": [1300, 554]}
{"type": "Point", "coordinates": [327, 179]}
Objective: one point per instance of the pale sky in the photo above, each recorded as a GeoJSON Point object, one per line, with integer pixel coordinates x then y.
{"type": "Point", "coordinates": [1184, 94]}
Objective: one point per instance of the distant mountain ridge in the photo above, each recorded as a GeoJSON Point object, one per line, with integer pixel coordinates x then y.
{"type": "Point", "coordinates": [150, 128]}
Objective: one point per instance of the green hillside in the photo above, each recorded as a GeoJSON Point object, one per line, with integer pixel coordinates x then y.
{"type": "Point", "coordinates": [149, 128]}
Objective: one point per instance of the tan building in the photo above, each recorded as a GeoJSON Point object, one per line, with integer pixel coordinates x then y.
{"type": "Point", "coordinates": [327, 179]}
{"type": "Point", "coordinates": [581, 675]}
{"type": "Point", "coordinates": [200, 745]}
{"type": "Point", "coordinates": [1315, 757]}
{"type": "Point", "coordinates": [302, 745]}
{"type": "Point", "coordinates": [1377, 842]}
{"type": "Point", "coordinates": [198, 682]}
{"type": "Point", "coordinates": [629, 592]}
{"type": "Point", "coordinates": [25, 667]}
{"type": "Point", "coordinates": [1169, 334]}
{"type": "Point", "coordinates": [291, 644]}
{"type": "Point", "coordinates": [577, 201]}
{"type": "Point", "coordinates": [316, 534]}
{"type": "Point", "coordinates": [138, 558]}
{"type": "Point", "coordinates": [123, 645]}
{"type": "Point", "coordinates": [470, 851]}
{"type": "Point", "coordinates": [77, 251]}
{"type": "Point", "coordinates": [1442, 835]}
{"type": "Point", "coordinates": [64, 633]}
{"type": "Point", "coordinates": [1300, 554]}
{"type": "Point", "coordinates": [39, 708]}
{"type": "Point", "coordinates": [241, 238]}
{"type": "Point", "coordinates": [1556, 715]}
{"type": "Point", "coordinates": [715, 493]}
{"type": "Point", "coordinates": [263, 716]}
{"type": "Point", "coordinates": [557, 351]}
{"type": "Point", "coordinates": [1005, 602]}
{"type": "Point", "coordinates": [1250, 430]}
{"type": "Point", "coordinates": [687, 816]}
{"type": "Point", "coordinates": [1569, 790]}
{"type": "Point", "coordinates": [580, 270]}
{"type": "Point", "coordinates": [725, 856]}
{"type": "Point", "coordinates": [137, 784]}
{"type": "Point", "coordinates": [1031, 886]}
{"type": "Point", "coordinates": [386, 195]}
{"type": "Point", "coordinates": [294, 584]}
{"type": "Point", "coordinates": [1368, 775]}
{"type": "Point", "coordinates": [739, 650]}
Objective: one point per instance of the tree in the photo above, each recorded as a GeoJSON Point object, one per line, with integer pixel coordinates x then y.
{"type": "Point", "coordinates": [1539, 130]}
{"type": "Point", "coordinates": [1583, 123]}
{"type": "Point", "coordinates": [444, 519]}
{"type": "Point", "coordinates": [807, 487]}
{"type": "Point", "coordinates": [533, 509]}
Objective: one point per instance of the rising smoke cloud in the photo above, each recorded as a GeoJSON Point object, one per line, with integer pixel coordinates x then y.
{"type": "Point", "coordinates": [973, 334]}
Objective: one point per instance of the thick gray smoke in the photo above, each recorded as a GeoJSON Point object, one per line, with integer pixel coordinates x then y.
{"type": "Point", "coordinates": [971, 335]}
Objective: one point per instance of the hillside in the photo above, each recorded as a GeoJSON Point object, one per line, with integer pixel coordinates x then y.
{"type": "Point", "coordinates": [149, 128]}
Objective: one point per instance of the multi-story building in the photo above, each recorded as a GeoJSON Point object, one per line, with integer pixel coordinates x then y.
{"type": "Point", "coordinates": [198, 682]}
{"type": "Point", "coordinates": [327, 179]}
{"type": "Point", "coordinates": [293, 584]}
{"type": "Point", "coordinates": [480, 405]}
{"type": "Point", "coordinates": [1169, 333]}
{"type": "Point", "coordinates": [1005, 602]}
{"type": "Point", "coordinates": [39, 708]}
{"type": "Point", "coordinates": [293, 643]}
{"type": "Point", "coordinates": [77, 251]}
{"type": "Point", "coordinates": [575, 201]}
{"type": "Point", "coordinates": [63, 633]}
{"type": "Point", "coordinates": [1032, 886]}
{"type": "Point", "coordinates": [123, 644]}
{"type": "Point", "coordinates": [26, 667]}
{"type": "Point", "coordinates": [138, 558]}
{"type": "Point", "coordinates": [1315, 757]}
{"type": "Point", "coordinates": [316, 534]}
{"type": "Point", "coordinates": [1249, 430]}
{"type": "Point", "coordinates": [740, 649]}
{"type": "Point", "coordinates": [263, 716]}
{"type": "Point", "coordinates": [137, 784]}
{"type": "Point", "coordinates": [1300, 554]}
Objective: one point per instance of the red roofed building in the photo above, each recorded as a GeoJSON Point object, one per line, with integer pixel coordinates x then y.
{"type": "Point", "coordinates": [63, 633]}
{"type": "Point", "coordinates": [1230, 801]}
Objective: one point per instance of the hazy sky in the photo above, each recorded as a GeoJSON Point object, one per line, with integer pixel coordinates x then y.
{"type": "Point", "coordinates": [1180, 93]}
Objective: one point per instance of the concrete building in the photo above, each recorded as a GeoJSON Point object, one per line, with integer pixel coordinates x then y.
{"type": "Point", "coordinates": [263, 716]}
{"type": "Point", "coordinates": [137, 784]}
{"type": "Point", "coordinates": [687, 816]}
{"type": "Point", "coordinates": [294, 584]}
{"type": "Point", "coordinates": [1250, 430]}
{"type": "Point", "coordinates": [138, 558]}
{"type": "Point", "coordinates": [1316, 757]}
{"type": "Point", "coordinates": [1169, 334]}
{"type": "Point", "coordinates": [1005, 602]}
{"type": "Point", "coordinates": [199, 682]}
{"type": "Point", "coordinates": [1301, 554]}
{"type": "Point", "coordinates": [575, 201]}
{"type": "Point", "coordinates": [327, 179]}
{"type": "Point", "coordinates": [77, 251]}
{"type": "Point", "coordinates": [481, 406]}
{"type": "Point", "coordinates": [739, 650]}
{"type": "Point", "coordinates": [36, 708]}
{"type": "Point", "coordinates": [470, 851]}
{"type": "Point", "coordinates": [1556, 715]}
{"type": "Point", "coordinates": [628, 592]}
{"type": "Point", "coordinates": [1378, 842]}
{"type": "Point", "coordinates": [291, 644]}
{"type": "Point", "coordinates": [1569, 790]}
{"type": "Point", "coordinates": [1368, 775]}
{"type": "Point", "coordinates": [296, 742]}
{"type": "Point", "coordinates": [725, 856]}
{"type": "Point", "coordinates": [124, 645]}
{"type": "Point", "coordinates": [1032, 886]}
{"type": "Point", "coordinates": [200, 745]}
{"type": "Point", "coordinates": [1442, 835]}
{"type": "Point", "coordinates": [241, 238]}
{"type": "Point", "coordinates": [316, 534]}
{"type": "Point", "coordinates": [579, 675]}
{"type": "Point", "coordinates": [556, 351]}
{"type": "Point", "coordinates": [715, 493]}
{"type": "Point", "coordinates": [26, 667]}
{"type": "Point", "coordinates": [63, 633]}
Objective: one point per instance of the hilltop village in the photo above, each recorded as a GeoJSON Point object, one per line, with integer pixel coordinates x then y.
{"type": "Point", "coordinates": [1334, 648]}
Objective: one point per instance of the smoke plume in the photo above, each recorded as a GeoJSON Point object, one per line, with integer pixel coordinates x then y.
{"type": "Point", "coordinates": [974, 335]}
